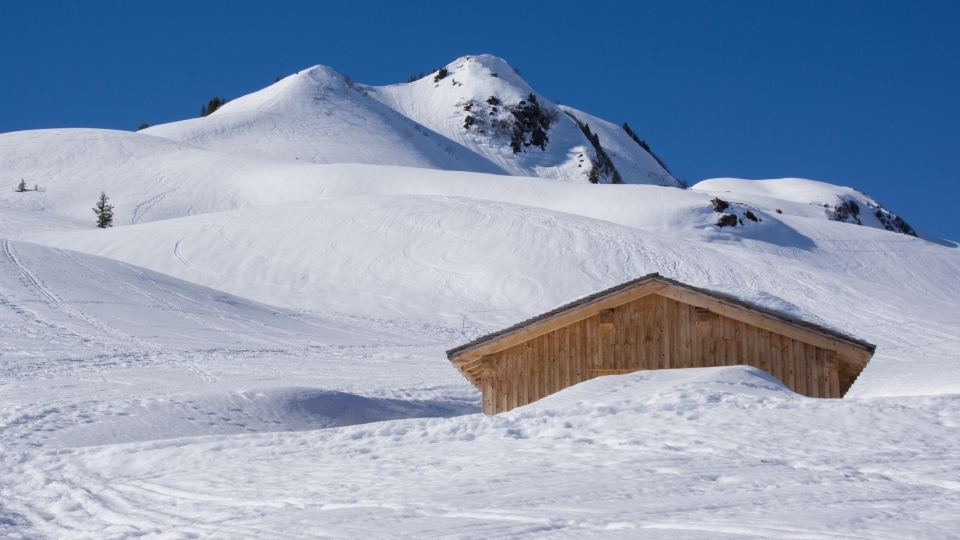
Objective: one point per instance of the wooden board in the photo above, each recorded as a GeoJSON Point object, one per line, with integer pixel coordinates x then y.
{"type": "Point", "coordinates": [653, 331]}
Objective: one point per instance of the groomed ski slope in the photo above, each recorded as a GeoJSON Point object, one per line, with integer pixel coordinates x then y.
{"type": "Point", "coordinates": [256, 349]}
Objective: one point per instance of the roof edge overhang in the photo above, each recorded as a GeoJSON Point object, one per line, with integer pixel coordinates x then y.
{"type": "Point", "coordinates": [651, 284]}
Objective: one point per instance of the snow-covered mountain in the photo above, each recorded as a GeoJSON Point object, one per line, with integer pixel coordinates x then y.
{"type": "Point", "coordinates": [302, 257]}
{"type": "Point", "coordinates": [479, 102]}
{"type": "Point", "coordinates": [480, 116]}
{"type": "Point", "coordinates": [320, 116]}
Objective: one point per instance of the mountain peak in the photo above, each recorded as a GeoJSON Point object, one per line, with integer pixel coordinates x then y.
{"type": "Point", "coordinates": [475, 114]}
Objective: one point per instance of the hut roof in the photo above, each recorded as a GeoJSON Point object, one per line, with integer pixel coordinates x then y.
{"type": "Point", "coordinates": [657, 278]}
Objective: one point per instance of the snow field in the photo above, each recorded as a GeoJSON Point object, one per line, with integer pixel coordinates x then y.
{"type": "Point", "coordinates": [705, 453]}
{"type": "Point", "coordinates": [96, 351]}
{"type": "Point", "coordinates": [440, 259]}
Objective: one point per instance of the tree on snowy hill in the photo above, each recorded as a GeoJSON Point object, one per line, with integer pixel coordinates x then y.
{"type": "Point", "coordinates": [530, 119]}
{"type": "Point", "coordinates": [643, 144]}
{"type": "Point", "coordinates": [104, 212]}
{"type": "Point", "coordinates": [212, 106]}
{"type": "Point", "coordinates": [22, 186]}
{"type": "Point", "coordinates": [604, 164]}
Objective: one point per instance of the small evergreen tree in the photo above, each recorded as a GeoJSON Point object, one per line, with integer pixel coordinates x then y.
{"type": "Point", "coordinates": [22, 186]}
{"type": "Point", "coordinates": [440, 75]}
{"type": "Point", "coordinates": [215, 103]}
{"type": "Point", "coordinates": [593, 176]}
{"type": "Point", "coordinates": [643, 144]}
{"type": "Point", "coordinates": [104, 212]}
{"type": "Point", "coordinates": [143, 125]}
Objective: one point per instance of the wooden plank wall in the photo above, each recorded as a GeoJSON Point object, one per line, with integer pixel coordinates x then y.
{"type": "Point", "coordinates": [653, 332]}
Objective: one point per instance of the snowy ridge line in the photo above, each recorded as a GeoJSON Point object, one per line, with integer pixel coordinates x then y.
{"type": "Point", "coordinates": [475, 119]}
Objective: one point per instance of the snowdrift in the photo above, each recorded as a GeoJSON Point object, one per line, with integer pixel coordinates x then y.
{"type": "Point", "coordinates": [669, 454]}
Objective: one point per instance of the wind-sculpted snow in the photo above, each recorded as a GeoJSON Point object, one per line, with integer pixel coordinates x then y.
{"type": "Point", "coordinates": [704, 453]}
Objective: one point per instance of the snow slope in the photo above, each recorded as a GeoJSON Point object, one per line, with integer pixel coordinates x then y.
{"type": "Point", "coordinates": [318, 116]}
{"type": "Point", "coordinates": [63, 303]}
{"type": "Point", "coordinates": [439, 259]}
{"type": "Point", "coordinates": [120, 351]}
{"type": "Point", "coordinates": [434, 246]}
{"type": "Point", "coordinates": [809, 198]}
{"type": "Point", "coordinates": [466, 91]}
{"type": "Point", "coordinates": [700, 453]}
{"type": "Point", "coordinates": [151, 178]}
{"type": "Point", "coordinates": [200, 370]}
{"type": "Point", "coordinates": [635, 164]}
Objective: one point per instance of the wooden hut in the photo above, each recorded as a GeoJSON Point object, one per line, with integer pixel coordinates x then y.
{"type": "Point", "coordinates": [655, 323]}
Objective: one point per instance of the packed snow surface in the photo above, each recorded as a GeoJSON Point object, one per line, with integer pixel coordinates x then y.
{"type": "Point", "coordinates": [256, 349]}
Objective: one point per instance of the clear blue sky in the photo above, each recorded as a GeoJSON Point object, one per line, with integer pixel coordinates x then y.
{"type": "Point", "coordinates": [863, 94]}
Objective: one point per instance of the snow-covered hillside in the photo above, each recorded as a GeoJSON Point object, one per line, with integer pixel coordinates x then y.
{"type": "Point", "coordinates": [256, 349]}
{"type": "Point", "coordinates": [319, 116]}
{"type": "Point", "coordinates": [477, 103]}
{"type": "Point", "coordinates": [809, 198]}
{"type": "Point", "coordinates": [478, 117]}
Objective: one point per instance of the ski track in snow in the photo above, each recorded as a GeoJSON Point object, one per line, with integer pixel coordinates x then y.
{"type": "Point", "coordinates": [722, 452]}
{"type": "Point", "coordinates": [176, 247]}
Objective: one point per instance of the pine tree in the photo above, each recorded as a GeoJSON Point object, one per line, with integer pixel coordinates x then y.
{"type": "Point", "coordinates": [22, 186]}
{"type": "Point", "coordinates": [104, 212]}
{"type": "Point", "coordinates": [643, 144]}
{"type": "Point", "coordinates": [215, 103]}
